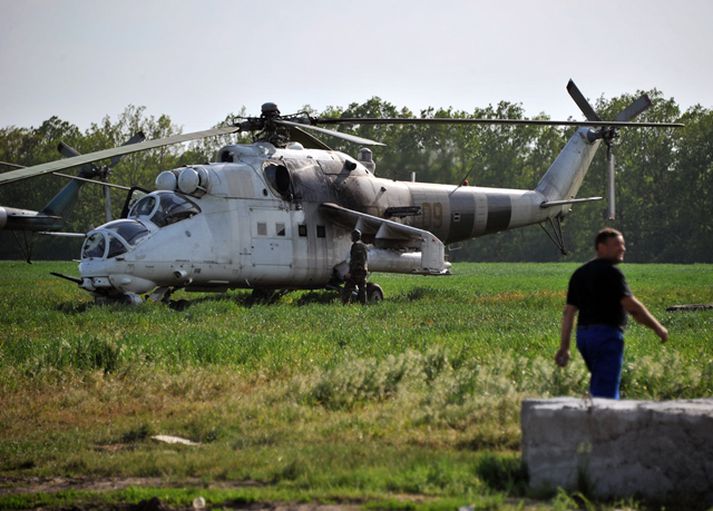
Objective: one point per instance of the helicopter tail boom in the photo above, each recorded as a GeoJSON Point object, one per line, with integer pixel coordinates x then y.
{"type": "Point", "coordinates": [564, 178]}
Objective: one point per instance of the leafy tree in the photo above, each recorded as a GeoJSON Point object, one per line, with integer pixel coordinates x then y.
{"type": "Point", "coordinates": [664, 176]}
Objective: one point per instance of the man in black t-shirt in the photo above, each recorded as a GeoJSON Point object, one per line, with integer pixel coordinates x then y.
{"type": "Point", "coordinates": [599, 293]}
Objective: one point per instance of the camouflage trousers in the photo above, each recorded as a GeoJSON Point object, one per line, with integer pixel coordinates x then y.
{"type": "Point", "coordinates": [355, 280]}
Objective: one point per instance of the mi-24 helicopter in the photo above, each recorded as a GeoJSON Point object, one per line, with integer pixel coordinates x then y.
{"type": "Point", "coordinates": [277, 214]}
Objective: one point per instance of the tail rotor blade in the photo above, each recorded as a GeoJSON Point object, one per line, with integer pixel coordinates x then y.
{"type": "Point", "coordinates": [611, 208]}
{"type": "Point", "coordinates": [135, 139]}
{"type": "Point", "coordinates": [67, 150]}
{"type": "Point", "coordinates": [87, 170]}
{"type": "Point", "coordinates": [103, 173]}
{"type": "Point", "coordinates": [582, 102]}
{"type": "Point", "coordinates": [634, 109]}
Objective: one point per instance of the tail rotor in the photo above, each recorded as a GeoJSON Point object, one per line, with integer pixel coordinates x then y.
{"type": "Point", "coordinates": [608, 134]}
{"type": "Point", "coordinates": [92, 171]}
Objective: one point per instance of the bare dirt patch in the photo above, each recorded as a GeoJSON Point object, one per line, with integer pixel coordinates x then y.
{"type": "Point", "coordinates": [29, 485]}
{"type": "Point", "coordinates": [16, 486]}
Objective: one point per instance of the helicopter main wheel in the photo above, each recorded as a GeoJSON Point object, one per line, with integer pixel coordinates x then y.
{"type": "Point", "coordinates": [265, 296]}
{"type": "Point", "coordinates": [123, 299]}
{"type": "Point", "coordinates": [178, 305]}
{"type": "Point", "coordinates": [374, 293]}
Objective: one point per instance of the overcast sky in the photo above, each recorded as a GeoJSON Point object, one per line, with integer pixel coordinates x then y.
{"type": "Point", "coordinates": [200, 60]}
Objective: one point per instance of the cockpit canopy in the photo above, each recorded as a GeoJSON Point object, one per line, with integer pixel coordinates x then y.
{"type": "Point", "coordinates": [164, 208]}
{"type": "Point", "coordinates": [113, 239]}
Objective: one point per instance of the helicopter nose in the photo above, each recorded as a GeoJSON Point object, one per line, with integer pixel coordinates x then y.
{"type": "Point", "coordinates": [95, 283]}
{"type": "Point", "coordinates": [118, 283]}
{"type": "Point", "coordinates": [111, 277]}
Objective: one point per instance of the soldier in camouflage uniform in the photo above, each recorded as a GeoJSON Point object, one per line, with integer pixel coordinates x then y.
{"type": "Point", "coordinates": [357, 270]}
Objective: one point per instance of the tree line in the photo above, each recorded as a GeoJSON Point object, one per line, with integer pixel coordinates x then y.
{"type": "Point", "coordinates": [664, 176]}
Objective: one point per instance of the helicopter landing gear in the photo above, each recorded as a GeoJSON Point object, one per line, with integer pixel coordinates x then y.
{"type": "Point", "coordinates": [265, 296]}
{"type": "Point", "coordinates": [161, 294]}
{"type": "Point", "coordinates": [555, 233]}
{"type": "Point", "coordinates": [178, 305]}
{"type": "Point", "coordinates": [374, 294]}
{"type": "Point", "coordinates": [122, 299]}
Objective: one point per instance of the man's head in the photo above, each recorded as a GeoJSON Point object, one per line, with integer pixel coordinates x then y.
{"type": "Point", "coordinates": [609, 245]}
{"type": "Point", "coordinates": [356, 235]}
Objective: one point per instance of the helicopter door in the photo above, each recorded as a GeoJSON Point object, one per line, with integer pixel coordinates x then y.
{"type": "Point", "coordinates": [271, 237]}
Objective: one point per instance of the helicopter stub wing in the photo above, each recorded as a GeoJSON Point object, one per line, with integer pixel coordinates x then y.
{"type": "Point", "coordinates": [392, 234]}
{"type": "Point", "coordinates": [567, 202]}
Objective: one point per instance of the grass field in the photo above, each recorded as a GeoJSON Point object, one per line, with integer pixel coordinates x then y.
{"type": "Point", "coordinates": [411, 403]}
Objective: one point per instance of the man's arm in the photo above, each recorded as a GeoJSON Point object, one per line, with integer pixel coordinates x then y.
{"type": "Point", "coordinates": [562, 356]}
{"type": "Point", "coordinates": [642, 315]}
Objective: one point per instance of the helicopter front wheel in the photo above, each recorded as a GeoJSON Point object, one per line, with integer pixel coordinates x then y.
{"type": "Point", "coordinates": [374, 293]}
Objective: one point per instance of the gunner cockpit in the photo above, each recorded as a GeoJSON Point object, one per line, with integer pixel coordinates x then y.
{"type": "Point", "coordinates": [113, 239]}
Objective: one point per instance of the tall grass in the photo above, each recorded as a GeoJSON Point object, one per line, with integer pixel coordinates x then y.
{"type": "Point", "coordinates": [486, 308]}
{"type": "Point", "coordinates": [420, 393]}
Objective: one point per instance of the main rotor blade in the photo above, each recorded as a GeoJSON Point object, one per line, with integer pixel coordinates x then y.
{"type": "Point", "coordinates": [69, 151]}
{"type": "Point", "coordinates": [534, 122]}
{"type": "Point", "coordinates": [52, 166]}
{"type": "Point", "coordinates": [634, 108]}
{"type": "Point", "coordinates": [307, 140]}
{"type": "Point", "coordinates": [338, 134]}
{"type": "Point", "coordinates": [11, 165]}
{"type": "Point", "coordinates": [582, 102]}
{"type": "Point", "coordinates": [85, 180]}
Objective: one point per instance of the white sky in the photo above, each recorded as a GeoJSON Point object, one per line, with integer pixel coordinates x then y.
{"type": "Point", "coordinates": [200, 60]}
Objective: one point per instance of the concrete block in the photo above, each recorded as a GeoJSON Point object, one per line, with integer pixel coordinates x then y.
{"type": "Point", "coordinates": [661, 451]}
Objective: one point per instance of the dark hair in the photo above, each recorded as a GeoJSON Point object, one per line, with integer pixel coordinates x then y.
{"type": "Point", "coordinates": [604, 235]}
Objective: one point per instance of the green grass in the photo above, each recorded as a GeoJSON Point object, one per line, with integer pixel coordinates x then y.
{"type": "Point", "coordinates": [310, 399]}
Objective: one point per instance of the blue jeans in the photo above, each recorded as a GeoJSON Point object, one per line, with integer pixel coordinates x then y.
{"type": "Point", "coordinates": [602, 347]}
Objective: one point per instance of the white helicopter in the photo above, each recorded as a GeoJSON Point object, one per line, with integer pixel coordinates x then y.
{"type": "Point", "coordinates": [277, 214]}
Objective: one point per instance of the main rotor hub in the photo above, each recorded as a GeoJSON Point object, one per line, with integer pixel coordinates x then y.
{"type": "Point", "coordinates": [270, 110]}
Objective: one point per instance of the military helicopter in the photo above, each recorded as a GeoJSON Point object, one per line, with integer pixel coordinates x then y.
{"type": "Point", "coordinates": [49, 220]}
{"type": "Point", "coordinates": [277, 214]}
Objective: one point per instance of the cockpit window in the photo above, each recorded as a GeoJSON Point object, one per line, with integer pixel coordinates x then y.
{"type": "Point", "coordinates": [164, 208]}
{"type": "Point", "coordinates": [94, 246]}
{"type": "Point", "coordinates": [116, 247]}
{"type": "Point", "coordinates": [114, 239]}
{"type": "Point", "coordinates": [131, 231]}
{"type": "Point", "coordinates": [144, 207]}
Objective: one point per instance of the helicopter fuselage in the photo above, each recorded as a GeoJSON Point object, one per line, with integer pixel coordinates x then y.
{"type": "Point", "coordinates": [273, 214]}
{"type": "Point", "coordinates": [261, 218]}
